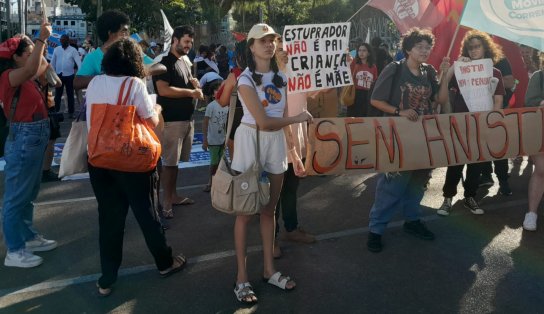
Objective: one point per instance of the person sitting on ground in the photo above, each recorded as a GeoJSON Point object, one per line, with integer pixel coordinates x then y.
{"type": "Point", "coordinates": [116, 191]}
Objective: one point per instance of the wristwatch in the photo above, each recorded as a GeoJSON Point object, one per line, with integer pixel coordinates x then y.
{"type": "Point", "coordinates": [397, 112]}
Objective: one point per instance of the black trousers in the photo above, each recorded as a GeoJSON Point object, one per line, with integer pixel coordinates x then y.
{"type": "Point", "coordinates": [288, 201]}
{"type": "Point", "coordinates": [454, 175]}
{"type": "Point", "coordinates": [68, 82]}
{"type": "Point", "coordinates": [115, 191]}
{"type": "Point", "coordinates": [361, 104]}
{"type": "Point", "coordinates": [501, 169]}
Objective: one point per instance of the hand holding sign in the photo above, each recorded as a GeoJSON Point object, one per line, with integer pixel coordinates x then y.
{"type": "Point", "coordinates": [474, 79]}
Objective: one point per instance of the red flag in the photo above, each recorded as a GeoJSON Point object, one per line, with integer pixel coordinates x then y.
{"type": "Point", "coordinates": [409, 13]}
{"type": "Point", "coordinates": [239, 36]}
{"type": "Point", "coordinates": [452, 11]}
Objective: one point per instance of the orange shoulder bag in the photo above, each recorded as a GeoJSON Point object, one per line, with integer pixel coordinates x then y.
{"type": "Point", "coordinates": [119, 139]}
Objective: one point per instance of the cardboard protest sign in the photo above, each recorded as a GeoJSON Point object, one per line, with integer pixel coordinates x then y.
{"type": "Point", "coordinates": [317, 56]}
{"type": "Point", "coordinates": [390, 144]}
{"type": "Point", "coordinates": [475, 83]}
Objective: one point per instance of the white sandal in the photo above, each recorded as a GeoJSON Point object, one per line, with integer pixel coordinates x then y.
{"type": "Point", "coordinates": [243, 291]}
{"type": "Point", "coordinates": [279, 281]}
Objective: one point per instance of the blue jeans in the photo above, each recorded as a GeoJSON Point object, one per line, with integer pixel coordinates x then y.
{"type": "Point", "coordinates": [397, 191]}
{"type": "Point", "coordinates": [24, 152]}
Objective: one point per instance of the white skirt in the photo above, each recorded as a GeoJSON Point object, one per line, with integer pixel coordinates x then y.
{"type": "Point", "coordinates": [272, 149]}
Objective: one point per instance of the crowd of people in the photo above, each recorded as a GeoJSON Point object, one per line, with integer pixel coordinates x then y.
{"type": "Point", "coordinates": [254, 73]}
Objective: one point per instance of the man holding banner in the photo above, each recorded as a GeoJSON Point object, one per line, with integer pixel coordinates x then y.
{"type": "Point", "coordinates": [408, 90]}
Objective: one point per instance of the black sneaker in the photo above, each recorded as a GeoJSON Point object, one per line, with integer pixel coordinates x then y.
{"type": "Point", "coordinates": [486, 180]}
{"type": "Point", "coordinates": [472, 204]}
{"type": "Point", "coordinates": [504, 188]}
{"type": "Point", "coordinates": [49, 176]}
{"type": "Point", "coordinates": [374, 243]}
{"type": "Point", "coordinates": [418, 229]}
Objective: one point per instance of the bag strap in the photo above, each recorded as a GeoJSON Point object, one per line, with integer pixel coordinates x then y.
{"type": "Point", "coordinates": [14, 102]}
{"type": "Point", "coordinates": [395, 80]}
{"type": "Point", "coordinates": [232, 109]}
{"type": "Point", "coordinates": [258, 149]}
{"type": "Point", "coordinates": [120, 100]}
{"type": "Point", "coordinates": [542, 81]}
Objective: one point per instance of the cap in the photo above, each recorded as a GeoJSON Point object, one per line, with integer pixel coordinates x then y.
{"type": "Point", "coordinates": [8, 47]}
{"type": "Point", "coordinates": [260, 30]}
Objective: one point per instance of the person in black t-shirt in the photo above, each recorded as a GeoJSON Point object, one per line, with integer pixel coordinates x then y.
{"type": "Point", "coordinates": [176, 90]}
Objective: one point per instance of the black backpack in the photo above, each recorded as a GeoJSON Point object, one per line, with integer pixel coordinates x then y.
{"type": "Point", "coordinates": [375, 112]}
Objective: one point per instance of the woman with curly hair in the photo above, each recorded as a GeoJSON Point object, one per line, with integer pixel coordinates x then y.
{"type": "Point", "coordinates": [262, 92]}
{"type": "Point", "coordinates": [116, 191]}
{"type": "Point", "coordinates": [364, 74]}
{"type": "Point", "coordinates": [476, 45]}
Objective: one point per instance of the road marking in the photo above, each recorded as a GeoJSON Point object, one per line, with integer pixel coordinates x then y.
{"type": "Point", "coordinates": [219, 255]}
{"type": "Point", "coordinates": [90, 198]}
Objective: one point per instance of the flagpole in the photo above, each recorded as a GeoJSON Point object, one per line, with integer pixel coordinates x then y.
{"type": "Point", "coordinates": [453, 39]}
{"type": "Point", "coordinates": [457, 29]}
{"type": "Point", "coordinates": [359, 10]}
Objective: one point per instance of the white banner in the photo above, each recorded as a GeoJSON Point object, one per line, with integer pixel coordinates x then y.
{"type": "Point", "coordinates": [317, 56]}
{"type": "Point", "coordinates": [476, 83]}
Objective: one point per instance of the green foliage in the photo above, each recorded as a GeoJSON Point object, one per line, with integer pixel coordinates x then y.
{"type": "Point", "coordinates": [145, 14]}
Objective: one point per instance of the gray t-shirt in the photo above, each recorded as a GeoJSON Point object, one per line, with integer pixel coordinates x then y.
{"type": "Point", "coordinates": [216, 127]}
{"type": "Point", "coordinates": [410, 91]}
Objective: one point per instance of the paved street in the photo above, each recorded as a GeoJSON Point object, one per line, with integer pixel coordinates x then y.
{"type": "Point", "coordinates": [476, 264]}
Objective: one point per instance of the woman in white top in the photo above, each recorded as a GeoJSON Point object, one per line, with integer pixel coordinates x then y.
{"type": "Point", "coordinates": [262, 92]}
{"type": "Point", "coordinates": [116, 191]}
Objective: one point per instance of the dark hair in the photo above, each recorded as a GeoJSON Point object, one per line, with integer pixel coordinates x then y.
{"type": "Point", "coordinates": [215, 86]}
{"type": "Point", "coordinates": [370, 59]}
{"type": "Point", "coordinates": [124, 57]}
{"type": "Point", "coordinates": [240, 49]}
{"type": "Point", "coordinates": [181, 31]}
{"type": "Point", "coordinates": [204, 49]}
{"type": "Point", "coordinates": [491, 49]}
{"type": "Point", "coordinates": [6, 64]}
{"type": "Point", "coordinates": [110, 21]}
{"type": "Point", "coordinates": [414, 36]}
{"type": "Point", "coordinates": [277, 80]}
{"type": "Point", "coordinates": [376, 41]}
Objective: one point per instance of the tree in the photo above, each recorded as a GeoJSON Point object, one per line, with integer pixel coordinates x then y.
{"type": "Point", "coordinates": [144, 14]}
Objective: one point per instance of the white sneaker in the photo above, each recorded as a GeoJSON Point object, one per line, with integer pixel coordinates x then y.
{"type": "Point", "coordinates": [23, 259]}
{"type": "Point", "coordinates": [529, 223]}
{"type": "Point", "coordinates": [445, 209]}
{"type": "Point", "coordinates": [40, 244]}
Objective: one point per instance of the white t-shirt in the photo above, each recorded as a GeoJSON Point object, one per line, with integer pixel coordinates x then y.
{"type": "Point", "coordinates": [273, 99]}
{"type": "Point", "coordinates": [216, 126]}
{"type": "Point", "coordinates": [104, 89]}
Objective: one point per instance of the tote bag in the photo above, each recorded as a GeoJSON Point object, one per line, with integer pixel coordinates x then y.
{"type": "Point", "coordinates": [348, 95]}
{"type": "Point", "coordinates": [239, 193]}
{"type": "Point", "coordinates": [74, 154]}
{"type": "Point", "coordinates": [119, 139]}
